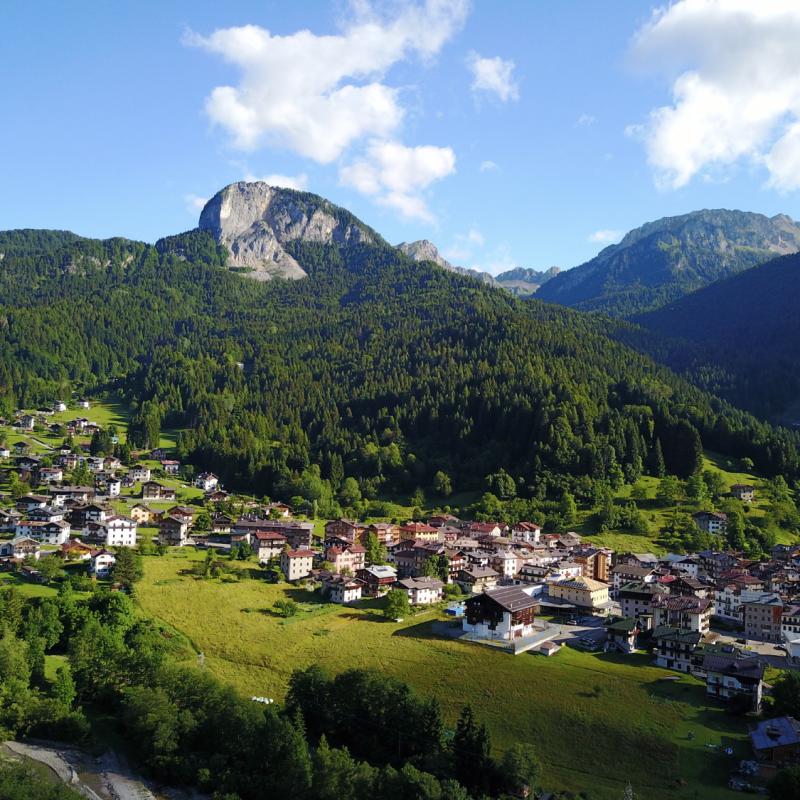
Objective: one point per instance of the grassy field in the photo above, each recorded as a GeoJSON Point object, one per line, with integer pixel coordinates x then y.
{"type": "Point", "coordinates": [598, 721]}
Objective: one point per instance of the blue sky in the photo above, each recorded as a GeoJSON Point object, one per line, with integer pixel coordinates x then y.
{"type": "Point", "coordinates": [515, 133]}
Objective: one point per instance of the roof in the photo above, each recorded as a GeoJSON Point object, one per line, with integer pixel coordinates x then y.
{"type": "Point", "coordinates": [511, 598]}
{"type": "Point", "coordinates": [730, 665]}
{"type": "Point", "coordinates": [685, 602]}
{"type": "Point", "coordinates": [777, 732]}
{"type": "Point", "coordinates": [676, 635]}
{"type": "Point", "coordinates": [631, 569]}
{"type": "Point", "coordinates": [589, 584]}
{"type": "Point", "coordinates": [425, 582]}
{"type": "Point", "coordinates": [299, 553]}
{"type": "Point", "coordinates": [480, 572]}
{"type": "Point", "coordinates": [715, 514]}
{"type": "Point", "coordinates": [624, 625]}
{"type": "Point", "coordinates": [381, 571]}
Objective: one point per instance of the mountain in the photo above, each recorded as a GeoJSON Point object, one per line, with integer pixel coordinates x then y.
{"type": "Point", "coordinates": [520, 280]}
{"type": "Point", "coordinates": [374, 367]}
{"type": "Point", "coordinates": [424, 250]}
{"type": "Point", "coordinates": [255, 222]}
{"type": "Point", "coordinates": [524, 281]}
{"type": "Point", "coordinates": [739, 337]}
{"type": "Point", "coordinates": [666, 259]}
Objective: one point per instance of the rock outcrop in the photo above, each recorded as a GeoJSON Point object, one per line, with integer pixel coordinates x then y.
{"type": "Point", "coordinates": [255, 221]}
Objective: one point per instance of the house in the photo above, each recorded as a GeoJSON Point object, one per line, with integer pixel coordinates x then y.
{"type": "Point", "coordinates": [418, 531]}
{"type": "Point", "coordinates": [348, 559]}
{"type": "Point", "coordinates": [714, 563]}
{"type": "Point", "coordinates": [377, 579]}
{"type": "Point", "coordinates": [386, 532]}
{"type": "Point", "coordinates": [686, 585]}
{"type": "Point", "coordinates": [4, 452]}
{"type": "Point", "coordinates": [113, 532]}
{"type": "Point", "coordinates": [267, 545]}
{"type": "Point", "coordinates": [78, 494]}
{"type": "Point", "coordinates": [279, 509]}
{"type": "Point", "coordinates": [776, 741]}
{"type": "Point", "coordinates": [714, 522]}
{"type": "Point", "coordinates": [506, 613]}
{"type": "Point", "coordinates": [30, 501]}
{"type": "Point", "coordinates": [173, 531]}
{"type": "Point", "coordinates": [217, 496]}
{"type": "Point", "coordinates": [506, 563]}
{"type": "Point", "coordinates": [55, 533]}
{"type": "Point", "coordinates": [101, 564]}
{"type": "Point", "coordinates": [207, 481]}
{"type": "Point", "coordinates": [183, 513]}
{"type": "Point", "coordinates": [684, 612]}
{"type": "Point", "coordinates": [299, 535]}
{"type": "Point", "coordinates": [743, 492]}
{"type": "Point", "coordinates": [109, 486]}
{"type": "Point", "coordinates": [8, 519]}
{"type": "Point", "coordinates": [583, 592]}
{"type": "Point", "coordinates": [59, 406]}
{"type": "Point", "coordinates": [341, 588]}
{"type": "Point", "coordinates": [20, 548]}
{"type": "Point", "coordinates": [51, 474]}
{"type": "Point", "coordinates": [296, 564]}
{"type": "Point", "coordinates": [140, 473]}
{"type": "Point", "coordinates": [171, 467]}
{"type": "Point", "coordinates": [636, 598]}
{"type": "Point", "coordinates": [730, 677]}
{"type": "Point", "coordinates": [594, 562]}
{"type": "Point", "coordinates": [623, 634]}
{"type": "Point", "coordinates": [477, 529]}
{"type": "Point", "coordinates": [26, 422]}
{"type": "Point", "coordinates": [675, 648]}
{"type": "Point", "coordinates": [422, 591]}
{"type": "Point", "coordinates": [762, 616]}
{"type": "Point", "coordinates": [153, 490]}
{"type": "Point", "coordinates": [526, 532]}
{"type": "Point", "coordinates": [477, 579]}
{"type": "Point", "coordinates": [142, 514]}
{"type": "Point", "coordinates": [83, 404]}
{"type": "Point", "coordinates": [627, 573]}
{"type": "Point", "coordinates": [76, 550]}
{"type": "Point", "coordinates": [221, 523]}
{"type": "Point", "coordinates": [342, 528]}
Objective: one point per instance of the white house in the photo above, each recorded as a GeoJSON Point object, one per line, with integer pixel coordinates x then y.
{"type": "Point", "coordinates": [342, 588]}
{"type": "Point", "coordinates": [5, 452]}
{"type": "Point", "coordinates": [83, 404]}
{"type": "Point", "coordinates": [101, 564]}
{"type": "Point", "coordinates": [56, 533]}
{"type": "Point", "coordinates": [59, 406]}
{"type": "Point", "coordinates": [20, 548]}
{"type": "Point", "coordinates": [296, 564]}
{"type": "Point", "coordinates": [506, 563]}
{"type": "Point", "coordinates": [140, 473]}
{"type": "Point", "coordinates": [422, 591]}
{"type": "Point", "coordinates": [113, 532]}
{"type": "Point", "coordinates": [506, 613]}
{"type": "Point", "coordinates": [207, 481]}
{"type": "Point", "coordinates": [111, 487]}
{"type": "Point", "coordinates": [527, 532]}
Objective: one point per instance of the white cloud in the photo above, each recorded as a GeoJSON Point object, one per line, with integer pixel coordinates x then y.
{"type": "Point", "coordinates": [397, 175]}
{"type": "Point", "coordinates": [464, 245]}
{"type": "Point", "coordinates": [474, 236]}
{"type": "Point", "coordinates": [317, 95]}
{"type": "Point", "coordinates": [488, 166]}
{"type": "Point", "coordinates": [585, 120]}
{"type": "Point", "coordinates": [194, 203]}
{"type": "Point", "coordinates": [284, 181]}
{"type": "Point", "coordinates": [605, 236]}
{"type": "Point", "coordinates": [493, 75]}
{"type": "Point", "coordinates": [735, 71]}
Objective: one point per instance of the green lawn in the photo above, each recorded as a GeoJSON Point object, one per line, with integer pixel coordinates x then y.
{"type": "Point", "coordinates": [597, 720]}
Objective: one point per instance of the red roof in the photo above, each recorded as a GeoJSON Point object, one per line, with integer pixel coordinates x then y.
{"type": "Point", "coordinates": [299, 553]}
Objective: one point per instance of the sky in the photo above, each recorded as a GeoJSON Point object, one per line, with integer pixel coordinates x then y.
{"type": "Point", "coordinates": [516, 133]}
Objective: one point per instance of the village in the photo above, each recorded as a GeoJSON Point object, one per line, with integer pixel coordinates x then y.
{"type": "Point", "coordinates": [716, 615]}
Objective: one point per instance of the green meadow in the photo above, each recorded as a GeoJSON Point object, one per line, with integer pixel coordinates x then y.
{"type": "Point", "coordinates": [597, 720]}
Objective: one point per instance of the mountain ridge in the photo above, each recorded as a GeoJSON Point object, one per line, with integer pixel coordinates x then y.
{"type": "Point", "coordinates": [667, 258]}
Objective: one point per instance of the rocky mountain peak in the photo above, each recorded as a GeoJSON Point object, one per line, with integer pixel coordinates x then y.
{"type": "Point", "coordinates": [255, 221]}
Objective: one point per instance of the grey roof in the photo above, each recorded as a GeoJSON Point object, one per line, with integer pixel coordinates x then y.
{"type": "Point", "coordinates": [778, 732]}
{"type": "Point", "coordinates": [512, 598]}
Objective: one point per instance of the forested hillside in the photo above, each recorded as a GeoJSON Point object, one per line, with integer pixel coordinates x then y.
{"type": "Point", "coordinates": [374, 366]}
{"type": "Point", "coordinates": [739, 338]}
{"type": "Point", "coordinates": [666, 259]}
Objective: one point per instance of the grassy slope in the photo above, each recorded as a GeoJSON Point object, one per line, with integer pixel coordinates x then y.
{"type": "Point", "coordinates": [598, 721]}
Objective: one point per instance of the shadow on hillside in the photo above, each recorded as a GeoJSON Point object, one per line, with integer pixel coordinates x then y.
{"type": "Point", "coordinates": [369, 616]}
